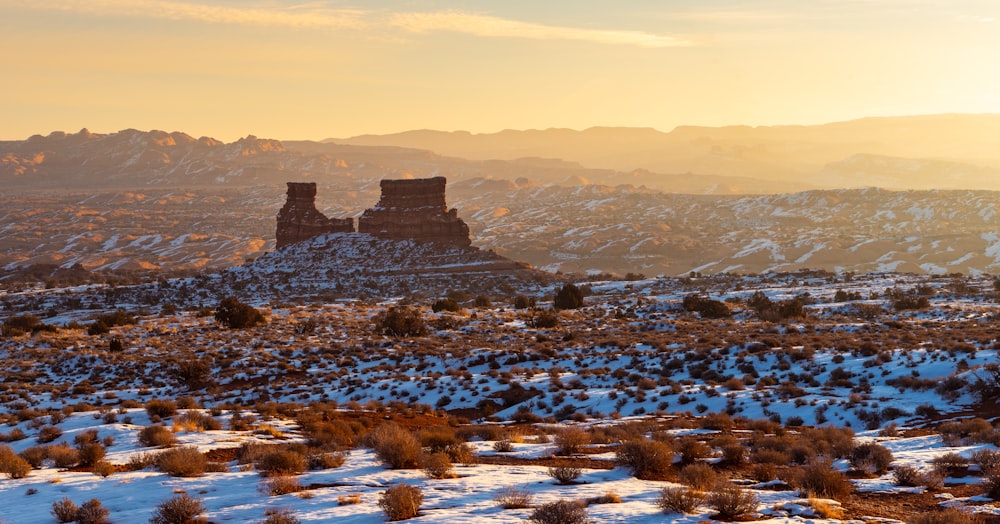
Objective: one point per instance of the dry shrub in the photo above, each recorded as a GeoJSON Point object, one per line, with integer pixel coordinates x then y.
{"type": "Point", "coordinates": [513, 497]}
{"type": "Point", "coordinates": [91, 453]}
{"type": "Point", "coordinates": [438, 466]}
{"type": "Point", "coordinates": [771, 456]}
{"type": "Point", "coordinates": [194, 421]}
{"type": "Point", "coordinates": [64, 510]}
{"type": "Point", "coordinates": [764, 472]}
{"type": "Point", "coordinates": [503, 446]}
{"type": "Point", "coordinates": [699, 476]}
{"type": "Point", "coordinates": [907, 476]}
{"type": "Point", "coordinates": [327, 460]}
{"type": "Point", "coordinates": [161, 408]}
{"type": "Point", "coordinates": [185, 461]}
{"type": "Point", "coordinates": [102, 468]}
{"type": "Point", "coordinates": [48, 434]}
{"type": "Point", "coordinates": [279, 516]}
{"type": "Point", "coordinates": [333, 434]}
{"type": "Point", "coordinates": [35, 455]}
{"type": "Point", "coordinates": [609, 497]}
{"type": "Point", "coordinates": [830, 441]}
{"type": "Point", "coordinates": [156, 436]}
{"type": "Point", "coordinates": [679, 500]}
{"type": "Point", "coordinates": [826, 510]}
{"type": "Point", "coordinates": [179, 509]}
{"type": "Point", "coordinates": [693, 450]}
{"type": "Point", "coordinates": [731, 501]}
{"type": "Point", "coordinates": [140, 461]}
{"type": "Point", "coordinates": [871, 458]}
{"type": "Point", "coordinates": [951, 465]}
{"type": "Point", "coordinates": [280, 485]}
{"type": "Point", "coordinates": [945, 516]}
{"type": "Point", "coordinates": [462, 453]}
{"type": "Point", "coordinates": [92, 512]}
{"type": "Point", "coordinates": [648, 459]}
{"type": "Point", "coordinates": [395, 446]}
{"type": "Point", "coordinates": [818, 478]}
{"type": "Point", "coordinates": [401, 501]}
{"type": "Point", "coordinates": [347, 500]}
{"type": "Point", "coordinates": [734, 453]}
{"type": "Point", "coordinates": [63, 455]}
{"type": "Point", "coordinates": [252, 452]}
{"type": "Point", "coordinates": [565, 474]}
{"type": "Point", "coordinates": [988, 460]}
{"type": "Point", "coordinates": [571, 441]}
{"type": "Point", "coordinates": [13, 465]}
{"type": "Point", "coordinates": [282, 462]}
{"type": "Point", "coordinates": [560, 512]}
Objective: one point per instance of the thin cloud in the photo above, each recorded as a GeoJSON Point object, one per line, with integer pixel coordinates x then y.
{"type": "Point", "coordinates": [491, 26]}
{"type": "Point", "coordinates": [314, 16]}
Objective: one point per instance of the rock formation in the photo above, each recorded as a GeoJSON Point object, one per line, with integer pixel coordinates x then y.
{"type": "Point", "coordinates": [300, 220]}
{"type": "Point", "coordinates": [415, 210]}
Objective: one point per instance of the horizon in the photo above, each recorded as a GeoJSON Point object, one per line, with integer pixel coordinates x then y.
{"type": "Point", "coordinates": [328, 69]}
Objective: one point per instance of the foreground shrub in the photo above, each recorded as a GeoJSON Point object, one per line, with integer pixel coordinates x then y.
{"type": "Point", "coordinates": [64, 510]}
{"type": "Point", "coordinates": [818, 478]}
{"type": "Point", "coordinates": [438, 466]}
{"type": "Point", "coordinates": [401, 501]}
{"type": "Point", "coordinates": [571, 441]}
{"type": "Point", "coordinates": [871, 458]}
{"type": "Point", "coordinates": [185, 461]}
{"type": "Point", "coordinates": [280, 485]}
{"type": "Point", "coordinates": [679, 500]}
{"type": "Point", "coordinates": [180, 509]}
{"type": "Point", "coordinates": [400, 321]}
{"type": "Point", "coordinates": [945, 516]}
{"type": "Point", "coordinates": [48, 434]}
{"type": "Point", "coordinates": [395, 446]}
{"type": "Point", "coordinates": [12, 464]}
{"type": "Point", "coordinates": [92, 512]}
{"type": "Point", "coordinates": [512, 497]}
{"type": "Point", "coordinates": [568, 297]}
{"type": "Point", "coordinates": [565, 474]}
{"type": "Point", "coordinates": [281, 463]}
{"type": "Point", "coordinates": [699, 476]}
{"type": "Point", "coordinates": [63, 455]}
{"type": "Point", "coordinates": [560, 512]}
{"type": "Point", "coordinates": [280, 516]}
{"type": "Point", "coordinates": [951, 465]}
{"type": "Point", "coordinates": [156, 436]}
{"type": "Point", "coordinates": [236, 315]}
{"type": "Point", "coordinates": [731, 501]}
{"type": "Point", "coordinates": [161, 408]}
{"type": "Point", "coordinates": [648, 459]}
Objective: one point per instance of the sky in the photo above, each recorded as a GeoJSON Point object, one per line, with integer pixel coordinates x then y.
{"type": "Point", "coordinates": [319, 69]}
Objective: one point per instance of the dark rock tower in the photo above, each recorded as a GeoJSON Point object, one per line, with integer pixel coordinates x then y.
{"type": "Point", "coordinates": [415, 210]}
{"type": "Point", "coordinates": [300, 220]}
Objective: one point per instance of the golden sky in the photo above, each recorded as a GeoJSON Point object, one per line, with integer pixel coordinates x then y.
{"type": "Point", "coordinates": [317, 69]}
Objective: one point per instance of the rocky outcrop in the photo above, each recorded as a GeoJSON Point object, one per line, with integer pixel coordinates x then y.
{"type": "Point", "coordinates": [300, 220]}
{"type": "Point", "coordinates": [415, 210]}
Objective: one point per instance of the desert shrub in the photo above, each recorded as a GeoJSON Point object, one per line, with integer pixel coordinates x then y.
{"type": "Point", "coordinates": [988, 460]}
{"type": "Point", "coordinates": [64, 510]}
{"type": "Point", "coordinates": [829, 441]}
{"type": "Point", "coordinates": [438, 466]}
{"type": "Point", "coordinates": [818, 478]}
{"type": "Point", "coordinates": [326, 460]}
{"type": "Point", "coordinates": [570, 441]}
{"type": "Point", "coordinates": [679, 500]}
{"type": "Point", "coordinates": [91, 453]}
{"type": "Point", "coordinates": [872, 458]}
{"type": "Point", "coordinates": [907, 475]}
{"type": "Point", "coordinates": [730, 501]}
{"type": "Point", "coordinates": [964, 431]}
{"type": "Point", "coordinates": [236, 315]}
{"type": "Point", "coordinates": [35, 455]}
{"type": "Point", "coordinates": [282, 462]}
{"type": "Point", "coordinates": [446, 304]}
{"type": "Point", "coordinates": [609, 497]}
{"type": "Point", "coordinates": [11, 464]}
{"type": "Point", "coordinates": [400, 321]}
{"type": "Point", "coordinates": [565, 474]}
{"type": "Point", "coordinates": [648, 459]}
{"type": "Point", "coordinates": [279, 516]}
{"type": "Point", "coordinates": [63, 456]}
{"type": "Point", "coordinates": [560, 512]}
{"type": "Point", "coordinates": [544, 319]}
{"type": "Point", "coordinates": [161, 408]}
{"type": "Point", "coordinates": [734, 453]}
{"type": "Point", "coordinates": [280, 485]}
{"type": "Point", "coordinates": [252, 452]}
{"type": "Point", "coordinates": [568, 296]}
{"type": "Point", "coordinates": [156, 436]}
{"type": "Point", "coordinates": [347, 500]}
{"type": "Point", "coordinates": [16, 434]}
{"type": "Point", "coordinates": [179, 509]}
{"type": "Point", "coordinates": [140, 461]}
{"type": "Point", "coordinates": [513, 497]}
{"type": "Point", "coordinates": [102, 468]}
{"type": "Point", "coordinates": [394, 446]}
{"type": "Point", "coordinates": [706, 307]}
{"type": "Point", "coordinates": [48, 434]}
{"type": "Point", "coordinates": [945, 516]}
{"type": "Point", "coordinates": [764, 472]}
{"type": "Point", "coordinates": [184, 461]}
{"type": "Point", "coordinates": [503, 445]}
{"type": "Point", "coordinates": [401, 501]}
{"type": "Point", "coordinates": [951, 464]}
{"type": "Point", "coordinates": [699, 476]}
{"type": "Point", "coordinates": [524, 302]}
{"type": "Point", "coordinates": [693, 450]}
{"type": "Point", "coordinates": [92, 512]}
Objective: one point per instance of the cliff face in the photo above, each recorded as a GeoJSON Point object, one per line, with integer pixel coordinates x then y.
{"type": "Point", "coordinates": [299, 219]}
{"type": "Point", "coordinates": [415, 210]}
